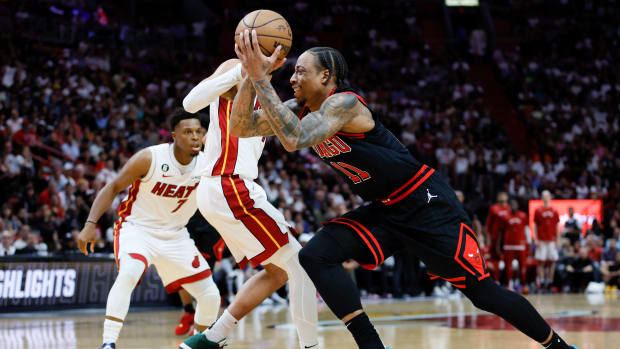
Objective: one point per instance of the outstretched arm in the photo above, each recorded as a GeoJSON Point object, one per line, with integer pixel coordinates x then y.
{"type": "Point", "coordinates": [225, 77]}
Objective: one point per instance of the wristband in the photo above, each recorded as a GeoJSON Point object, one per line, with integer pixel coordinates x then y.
{"type": "Point", "coordinates": [95, 223]}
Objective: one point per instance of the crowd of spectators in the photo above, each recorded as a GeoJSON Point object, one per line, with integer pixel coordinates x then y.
{"type": "Point", "coordinates": [71, 115]}
{"type": "Point", "coordinates": [562, 78]}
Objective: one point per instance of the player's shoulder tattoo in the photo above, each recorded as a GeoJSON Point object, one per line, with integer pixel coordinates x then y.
{"type": "Point", "coordinates": [344, 105]}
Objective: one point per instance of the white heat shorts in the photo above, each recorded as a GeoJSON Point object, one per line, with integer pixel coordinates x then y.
{"type": "Point", "coordinates": [252, 228]}
{"type": "Point", "coordinates": [176, 258]}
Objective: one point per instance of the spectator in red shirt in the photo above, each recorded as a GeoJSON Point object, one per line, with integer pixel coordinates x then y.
{"type": "Point", "coordinates": [514, 242]}
{"type": "Point", "coordinates": [46, 195]}
{"type": "Point", "coordinates": [27, 136]}
{"type": "Point", "coordinates": [547, 233]}
{"type": "Point", "coordinates": [56, 207]}
{"type": "Point", "coordinates": [495, 218]}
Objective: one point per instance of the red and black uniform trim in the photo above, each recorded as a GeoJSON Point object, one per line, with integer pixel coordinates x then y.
{"type": "Point", "coordinates": [409, 187]}
{"type": "Point", "coordinates": [469, 257]}
{"type": "Point", "coordinates": [458, 282]}
{"type": "Point", "coordinates": [368, 238]}
{"type": "Point", "coordinates": [218, 249]}
{"type": "Point", "coordinates": [376, 153]}
{"type": "Point", "coordinates": [468, 253]}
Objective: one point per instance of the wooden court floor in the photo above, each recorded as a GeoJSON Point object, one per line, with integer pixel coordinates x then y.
{"type": "Point", "coordinates": [589, 321]}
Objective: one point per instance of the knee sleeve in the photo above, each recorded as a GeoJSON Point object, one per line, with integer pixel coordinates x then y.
{"type": "Point", "coordinates": [207, 298]}
{"type": "Point", "coordinates": [512, 307]}
{"type": "Point", "coordinates": [129, 274]}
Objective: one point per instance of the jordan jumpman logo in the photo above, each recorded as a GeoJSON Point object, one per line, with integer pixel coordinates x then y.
{"type": "Point", "coordinates": [429, 196]}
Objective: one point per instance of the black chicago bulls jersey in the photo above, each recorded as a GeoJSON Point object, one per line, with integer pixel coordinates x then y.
{"type": "Point", "coordinates": [375, 163]}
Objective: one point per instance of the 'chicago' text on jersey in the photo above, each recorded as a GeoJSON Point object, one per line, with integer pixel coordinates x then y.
{"type": "Point", "coordinates": [331, 147]}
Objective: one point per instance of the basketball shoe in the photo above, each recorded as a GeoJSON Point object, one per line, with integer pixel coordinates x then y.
{"type": "Point", "coordinates": [108, 346]}
{"type": "Point", "coordinates": [185, 324]}
{"type": "Point", "coordinates": [200, 341]}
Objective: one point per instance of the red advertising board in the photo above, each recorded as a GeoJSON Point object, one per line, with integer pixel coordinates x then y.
{"type": "Point", "coordinates": [585, 211]}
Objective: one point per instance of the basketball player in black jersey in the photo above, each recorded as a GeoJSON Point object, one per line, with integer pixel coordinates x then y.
{"type": "Point", "coordinates": [410, 207]}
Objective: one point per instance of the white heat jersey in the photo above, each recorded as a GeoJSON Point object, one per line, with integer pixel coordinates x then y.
{"type": "Point", "coordinates": [228, 155]}
{"type": "Point", "coordinates": [165, 199]}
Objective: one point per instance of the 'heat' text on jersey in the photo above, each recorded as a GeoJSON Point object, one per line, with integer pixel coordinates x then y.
{"type": "Point", "coordinates": [173, 191]}
{"type": "Point", "coordinates": [331, 147]}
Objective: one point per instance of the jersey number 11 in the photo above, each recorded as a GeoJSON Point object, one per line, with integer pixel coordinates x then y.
{"type": "Point", "coordinates": [355, 174]}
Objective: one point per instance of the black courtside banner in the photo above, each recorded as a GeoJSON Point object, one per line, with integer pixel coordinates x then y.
{"type": "Point", "coordinates": [46, 283]}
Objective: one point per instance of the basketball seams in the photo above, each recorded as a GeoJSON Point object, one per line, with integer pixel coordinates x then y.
{"type": "Point", "coordinates": [265, 50]}
{"type": "Point", "coordinates": [269, 21]}
{"type": "Point", "coordinates": [288, 38]}
{"type": "Point", "coordinates": [245, 24]}
{"type": "Point", "coordinates": [255, 17]}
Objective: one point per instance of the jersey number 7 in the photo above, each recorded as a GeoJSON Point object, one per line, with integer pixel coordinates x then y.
{"type": "Point", "coordinates": [181, 202]}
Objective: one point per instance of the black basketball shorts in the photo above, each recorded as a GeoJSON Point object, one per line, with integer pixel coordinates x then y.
{"type": "Point", "coordinates": [429, 222]}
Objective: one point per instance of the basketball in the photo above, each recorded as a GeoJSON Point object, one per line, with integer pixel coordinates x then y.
{"type": "Point", "coordinates": [271, 29]}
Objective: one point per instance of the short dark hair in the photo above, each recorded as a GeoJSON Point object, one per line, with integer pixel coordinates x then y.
{"type": "Point", "coordinates": [331, 59]}
{"type": "Point", "coordinates": [180, 114]}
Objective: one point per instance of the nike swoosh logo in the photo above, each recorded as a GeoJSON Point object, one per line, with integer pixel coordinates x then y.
{"type": "Point", "coordinates": [312, 346]}
{"type": "Point", "coordinates": [165, 176]}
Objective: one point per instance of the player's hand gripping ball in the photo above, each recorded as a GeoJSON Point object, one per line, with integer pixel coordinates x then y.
{"type": "Point", "coordinates": [272, 30]}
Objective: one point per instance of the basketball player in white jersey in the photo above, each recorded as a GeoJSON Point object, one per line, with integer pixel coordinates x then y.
{"type": "Point", "coordinates": [254, 230]}
{"type": "Point", "coordinates": [151, 228]}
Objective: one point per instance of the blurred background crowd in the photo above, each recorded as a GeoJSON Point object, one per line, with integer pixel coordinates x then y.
{"type": "Point", "coordinates": [494, 102]}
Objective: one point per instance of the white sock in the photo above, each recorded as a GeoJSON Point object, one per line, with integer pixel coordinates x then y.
{"type": "Point", "coordinates": [111, 330]}
{"type": "Point", "coordinates": [221, 327]}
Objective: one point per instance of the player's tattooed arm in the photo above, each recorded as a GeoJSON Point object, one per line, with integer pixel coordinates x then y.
{"type": "Point", "coordinates": [244, 120]}
{"type": "Point", "coordinates": [315, 127]}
